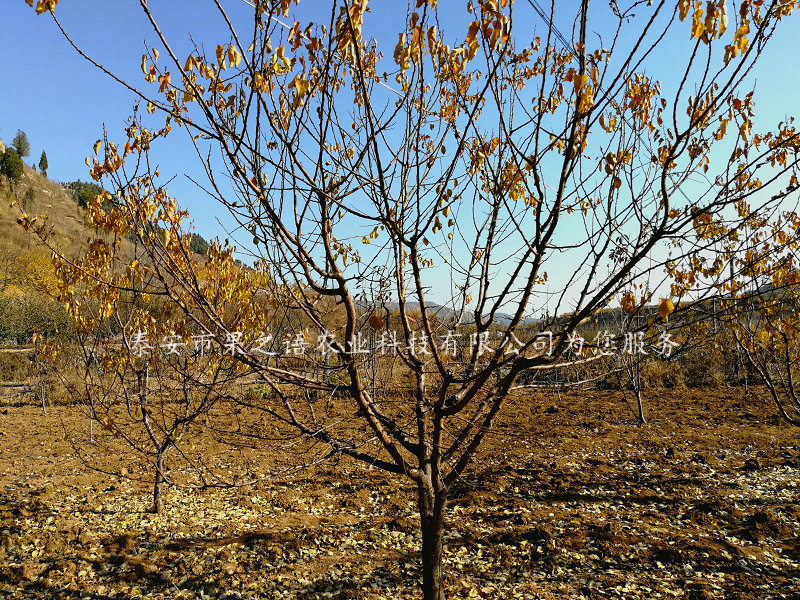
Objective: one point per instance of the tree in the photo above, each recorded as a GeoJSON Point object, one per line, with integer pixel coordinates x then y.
{"type": "Point", "coordinates": [163, 393]}
{"type": "Point", "coordinates": [21, 144]}
{"type": "Point", "coordinates": [12, 166]}
{"type": "Point", "coordinates": [145, 378]}
{"type": "Point", "coordinates": [471, 155]}
{"type": "Point", "coordinates": [43, 163]}
{"type": "Point", "coordinates": [84, 193]}
{"type": "Point", "coordinates": [769, 338]}
{"type": "Point", "coordinates": [198, 244]}
{"type": "Point", "coordinates": [762, 306]}
{"type": "Point", "coordinates": [630, 360]}
{"type": "Point", "coordinates": [28, 198]}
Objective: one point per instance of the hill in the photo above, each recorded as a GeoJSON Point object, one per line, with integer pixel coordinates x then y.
{"type": "Point", "coordinates": [27, 281]}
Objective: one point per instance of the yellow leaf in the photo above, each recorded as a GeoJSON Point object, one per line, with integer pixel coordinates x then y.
{"type": "Point", "coordinates": [472, 41]}
{"type": "Point", "coordinates": [579, 81]}
{"type": "Point", "coordinates": [698, 25]}
{"type": "Point", "coordinates": [164, 81]}
{"type": "Point", "coordinates": [234, 58]}
{"type": "Point", "coordinates": [742, 44]}
{"type": "Point", "coordinates": [683, 6]}
{"type": "Point", "coordinates": [723, 17]}
{"type": "Point", "coordinates": [221, 57]}
{"type": "Point", "coordinates": [134, 269]}
{"type": "Point", "coordinates": [302, 86]}
{"type": "Point", "coordinates": [44, 5]}
{"type": "Point", "coordinates": [628, 302]}
{"type": "Point", "coordinates": [97, 145]}
{"type": "Point", "coordinates": [744, 130]}
{"type": "Point", "coordinates": [665, 308]}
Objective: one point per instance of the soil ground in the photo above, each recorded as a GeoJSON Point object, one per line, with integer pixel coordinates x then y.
{"type": "Point", "coordinates": [569, 498]}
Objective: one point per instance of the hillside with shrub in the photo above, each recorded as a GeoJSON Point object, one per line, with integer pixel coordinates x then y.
{"type": "Point", "coordinates": [28, 286]}
{"type": "Point", "coordinates": [27, 283]}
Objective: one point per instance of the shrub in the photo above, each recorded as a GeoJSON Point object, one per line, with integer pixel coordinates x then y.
{"type": "Point", "coordinates": [15, 367]}
{"type": "Point", "coordinates": [198, 245]}
{"type": "Point", "coordinates": [23, 315]}
{"type": "Point", "coordinates": [702, 370]}
{"type": "Point", "coordinates": [662, 374]}
{"type": "Point", "coordinates": [28, 198]}
{"type": "Point", "coordinates": [82, 192]}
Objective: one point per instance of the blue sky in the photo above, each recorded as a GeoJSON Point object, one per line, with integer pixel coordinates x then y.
{"type": "Point", "coordinates": [62, 102]}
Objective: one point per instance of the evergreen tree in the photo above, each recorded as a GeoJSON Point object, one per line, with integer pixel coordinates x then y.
{"type": "Point", "coordinates": [83, 193]}
{"type": "Point", "coordinates": [198, 244]}
{"type": "Point", "coordinates": [11, 166]}
{"type": "Point", "coordinates": [43, 163]}
{"type": "Point", "coordinates": [21, 144]}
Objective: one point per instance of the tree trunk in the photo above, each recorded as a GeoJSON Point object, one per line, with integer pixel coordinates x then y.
{"type": "Point", "coordinates": [160, 483]}
{"type": "Point", "coordinates": [637, 384]}
{"type": "Point", "coordinates": [431, 512]}
{"type": "Point", "coordinates": [642, 419]}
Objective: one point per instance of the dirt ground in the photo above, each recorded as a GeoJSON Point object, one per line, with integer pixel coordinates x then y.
{"type": "Point", "coordinates": [568, 499]}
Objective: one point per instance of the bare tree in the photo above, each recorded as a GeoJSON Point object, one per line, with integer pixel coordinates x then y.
{"type": "Point", "coordinates": [147, 383]}
{"type": "Point", "coordinates": [630, 359]}
{"type": "Point", "coordinates": [472, 162]}
{"type": "Point", "coordinates": [762, 308]}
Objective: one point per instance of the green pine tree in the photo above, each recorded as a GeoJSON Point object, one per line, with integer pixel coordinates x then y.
{"type": "Point", "coordinates": [43, 163]}
{"type": "Point", "coordinates": [12, 166]}
{"type": "Point", "coordinates": [21, 144]}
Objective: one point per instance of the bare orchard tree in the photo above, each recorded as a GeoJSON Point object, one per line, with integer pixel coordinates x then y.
{"type": "Point", "coordinates": [768, 338]}
{"type": "Point", "coordinates": [478, 161]}
{"type": "Point", "coordinates": [628, 363]}
{"type": "Point", "coordinates": [144, 379]}
{"type": "Point", "coordinates": [763, 308]}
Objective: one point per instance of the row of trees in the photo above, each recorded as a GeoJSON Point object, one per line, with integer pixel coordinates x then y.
{"type": "Point", "coordinates": [365, 172]}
